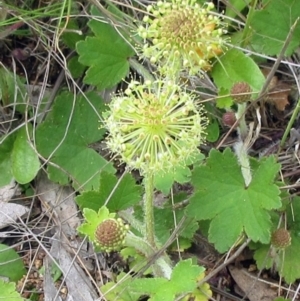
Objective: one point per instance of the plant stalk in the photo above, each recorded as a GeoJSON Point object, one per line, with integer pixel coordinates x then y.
{"type": "Point", "coordinates": [148, 209]}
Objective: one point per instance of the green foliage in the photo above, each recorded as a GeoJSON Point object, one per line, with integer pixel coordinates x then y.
{"type": "Point", "coordinates": [236, 6]}
{"type": "Point", "coordinates": [6, 148]}
{"type": "Point", "coordinates": [64, 138]}
{"type": "Point", "coordinates": [233, 209]}
{"type": "Point", "coordinates": [106, 54]}
{"type": "Point", "coordinates": [120, 289]}
{"type": "Point", "coordinates": [11, 265]}
{"type": "Point", "coordinates": [12, 90]}
{"type": "Point", "coordinates": [159, 289]}
{"type": "Point", "coordinates": [235, 66]}
{"type": "Point", "coordinates": [285, 261]}
{"type": "Point", "coordinates": [180, 174]}
{"type": "Point", "coordinates": [92, 220]}
{"type": "Point", "coordinates": [24, 160]}
{"type": "Point", "coordinates": [8, 291]}
{"type": "Point", "coordinates": [272, 24]}
{"type": "Point", "coordinates": [17, 158]}
{"type": "Point", "coordinates": [115, 194]}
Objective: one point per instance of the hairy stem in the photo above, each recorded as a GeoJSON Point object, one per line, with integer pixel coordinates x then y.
{"type": "Point", "coordinates": [240, 116]}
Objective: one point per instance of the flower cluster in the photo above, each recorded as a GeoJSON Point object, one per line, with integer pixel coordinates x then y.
{"type": "Point", "coordinates": [154, 126]}
{"type": "Point", "coordinates": [183, 36]}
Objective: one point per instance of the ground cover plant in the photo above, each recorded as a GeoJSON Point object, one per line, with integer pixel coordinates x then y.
{"type": "Point", "coordinates": [149, 150]}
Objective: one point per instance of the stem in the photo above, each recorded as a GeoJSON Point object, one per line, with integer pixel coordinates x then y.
{"type": "Point", "coordinates": [148, 209]}
{"type": "Point", "coordinates": [240, 116]}
{"type": "Point", "coordinates": [291, 121]}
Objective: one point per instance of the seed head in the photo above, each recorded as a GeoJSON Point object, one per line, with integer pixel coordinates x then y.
{"type": "Point", "coordinates": [240, 92]}
{"type": "Point", "coordinates": [155, 126]}
{"type": "Point", "coordinates": [281, 238]}
{"type": "Point", "coordinates": [183, 36]}
{"type": "Point", "coordinates": [110, 234]}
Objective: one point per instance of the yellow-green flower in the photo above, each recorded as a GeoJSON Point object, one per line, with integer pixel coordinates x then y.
{"type": "Point", "coordinates": [154, 126]}
{"type": "Point", "coordinates": [181, 35]}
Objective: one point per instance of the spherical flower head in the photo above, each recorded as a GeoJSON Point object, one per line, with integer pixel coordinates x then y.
{"type": "Point", "coordinates": [241, 92]}
{"type": "Point", "coordinates": [155, 126]}
{"type": "Point", "coordinates": [183, 36]}
{"type": "Point", "coordinates": [281, 238]}
{"type": "Point", "coordinates": [110, 234]}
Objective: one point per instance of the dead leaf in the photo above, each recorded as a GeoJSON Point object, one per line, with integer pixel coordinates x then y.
{"type": "Point", "coordinates": [8, 191]}
{"type": "Point", "coordinates": [278, 92]}
{"type": "Point", "coordinates": [251, 286]}
{"type": "Point", "coordinates": [278, 96]}
{"type": "Point", "coordinates": [59, 200]}
{"type": "Point", "coordinates": [10, 212]}
{"type": "Point", "coordinates": [78, 283]}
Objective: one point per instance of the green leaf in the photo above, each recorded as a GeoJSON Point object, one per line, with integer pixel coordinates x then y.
{"type": "Point", "coordinates": [120, 290]}
{"type": "Point", "coordinates": [24, 160]}
{"type": "Point", "coordinates": [6, 147]}
{"type": "Point", "coordinates": [11, 265]}
{"type": "Point", "coordinates": [213, 130]}
{"type": "Point", "coordinates": [235, 7]}
{"type": "Point", "coordinates": [75, 67]}
{"type": "Point", "coordinates": [180, 174]}
{"type": "Point", "coordinates": [235, 66]}
{"type": "Point", "coordinates": [222, 197]}
{"type": "Point", "coordinates": [8, 291]}
{"type": "Point", "coordinates": [64, 139]}
{"type": "Point", "coordinates": [12, 90]}
{"type": "Point", "coordinates": [106, 54]}
{"type": "Point", "coordinates": [183, 280]}
{"type": "Point", "coordinates": [272, 24]}
{"type": "Point", "coordinates": [120, 194]}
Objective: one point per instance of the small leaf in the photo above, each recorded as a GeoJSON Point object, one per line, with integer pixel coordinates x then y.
{"type": "Point", "coordinates": [222, 197]}
{"type": "Point", "coordinates": [25, 161]}
{"type": "Point", "coordinates": [8, 291]}
{"type": "Point", "coordinates": [106, 54]}
{"type": "Point", "coordinates": [268, 37]}
{"type": "Point", "coordinates": [11, 265]}
{"type": "Point", "coordinates": [122, 193]}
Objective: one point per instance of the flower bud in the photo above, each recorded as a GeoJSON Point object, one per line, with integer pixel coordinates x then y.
{"type": "Point", "coordinates": [229, 119]}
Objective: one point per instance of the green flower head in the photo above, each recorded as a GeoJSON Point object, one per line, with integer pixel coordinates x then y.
{"type": "Point", "coordinates": [184, 36]}
{"type": "Point", "coordinates": [155, 126]}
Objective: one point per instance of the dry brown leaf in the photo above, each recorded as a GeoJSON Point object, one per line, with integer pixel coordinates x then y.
{"type": "Point", "coordinates": [278, 96]}
{"type": "Point", "coordinates": [278, 92]}
{"type": "Point", "coordinates": [250, 285]}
